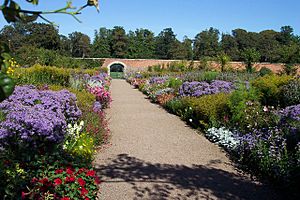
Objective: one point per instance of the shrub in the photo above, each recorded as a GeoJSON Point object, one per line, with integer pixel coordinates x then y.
{"type": "Point", "coordinates": [174, 83]}
{"type": "Point", "coordinates": [265, 71]}
{"type": "Point", "coordinates": [38, 75]}
{"type": "Point", "coordinates": [289, 69]}
{"type": "Point", "coordinates": [269, 87]}
{"type": "Point", "coordinates": [207, 76]}
{"type": "Point", "coordinates": [290, 93]}
{"type": "Point", "coordinates": [247, 112]}
{"type": "Point", "coordinates": [175, 106]}
{"type": "Point", "coordinates": [28, 55]}
{"type": "Point", "coordinates": [209, 110]}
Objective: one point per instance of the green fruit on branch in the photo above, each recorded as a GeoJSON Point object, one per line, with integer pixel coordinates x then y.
{"type": "Point", "coordinates": [7, 86]}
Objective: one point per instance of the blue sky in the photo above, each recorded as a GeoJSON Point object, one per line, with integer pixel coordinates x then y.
{"type": "Point", "coordinates": [186, 17]}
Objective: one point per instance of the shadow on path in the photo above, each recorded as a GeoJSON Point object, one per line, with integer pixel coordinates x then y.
{"type": "Point", "coordinates": [165, 181]}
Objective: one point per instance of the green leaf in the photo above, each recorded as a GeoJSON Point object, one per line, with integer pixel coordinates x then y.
{"type": "Point", "coordinates": [35, 2]}
{"type": "Point", "coordinates": [28, 18]}
{"type": "Point", "coordinates": [11, 13]}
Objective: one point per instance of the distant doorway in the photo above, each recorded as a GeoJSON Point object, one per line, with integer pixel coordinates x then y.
{"type": "Point", "coordinates": [116, 71]}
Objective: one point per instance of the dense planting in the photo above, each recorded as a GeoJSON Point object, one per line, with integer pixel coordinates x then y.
{"type": "Point", "coordinates": [255, 117]}
{"type": "Point", "coordinates": [48, 137]}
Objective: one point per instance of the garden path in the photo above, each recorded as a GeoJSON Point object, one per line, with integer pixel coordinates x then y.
{"type": "Point", "coordinates": [154, 155]}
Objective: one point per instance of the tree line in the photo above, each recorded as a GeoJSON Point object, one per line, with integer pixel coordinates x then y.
{"type": "Point", "coordinates": [268, 45]}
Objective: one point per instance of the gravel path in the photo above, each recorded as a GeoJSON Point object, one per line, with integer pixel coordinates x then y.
{"type": "Point", "coordinates": [154, 155]}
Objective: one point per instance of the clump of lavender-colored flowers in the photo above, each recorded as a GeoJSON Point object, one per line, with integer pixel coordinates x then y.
{"type": "Point", "coordinates": [158, 80]}
{"type": "Point", "coordinates": [197, 89]}
{"type": "Point", "coordinates": [33, 115]}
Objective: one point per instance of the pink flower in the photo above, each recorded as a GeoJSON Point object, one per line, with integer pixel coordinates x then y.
{"type": "Point", "coordinates": [65, 198]}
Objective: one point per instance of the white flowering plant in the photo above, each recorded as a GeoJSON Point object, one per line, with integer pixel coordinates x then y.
{"type": "Point", "coordinates": [223, 137]}
{"type": "Point", "coordinates": [79, 143]}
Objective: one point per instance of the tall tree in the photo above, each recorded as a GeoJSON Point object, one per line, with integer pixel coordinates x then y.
{"type": "Point", "coordinates": [39, 35]}
{"type": "Point", "coordinates": [80, 44]}
{"type": "Point", "coordinates": [101, 44]}
{"type": "Point", "coordinates": [286, 35]}
{"type": "Point", "coordinates": [141, 44]}
{"type": "Point", "coordinates": [118, 42]}
{"type": "Point", "coordinates": [230, 46]}
{"type": "Point", "coordinates": [206, 43]}
{"type": "Point", "coordinates": [165, 41]}
{"type": "Point", "coordinates": [268, 46]}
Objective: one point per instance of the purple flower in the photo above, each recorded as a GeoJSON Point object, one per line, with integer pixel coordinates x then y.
{"type": "Point", "coordinates": [37, 115]}
{"type": "Point", "coordinates": [196, 89]}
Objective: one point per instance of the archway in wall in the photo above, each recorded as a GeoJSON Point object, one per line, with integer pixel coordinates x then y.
{"type": "Point", "coordinates": [117, 70]}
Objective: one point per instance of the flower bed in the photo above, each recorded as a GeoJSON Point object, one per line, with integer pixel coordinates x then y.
{"type": "Point", "coordinates": [250, 120]}
{"type": "Point", "coordinates": [48, 139]}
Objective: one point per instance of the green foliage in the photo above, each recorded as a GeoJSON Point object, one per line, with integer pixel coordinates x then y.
{"type": "Point", "coordinates": [208, 76]}
{"type": "Point", "coordinates": [38, 75]}
{"type": "Point", "coordinates": [269, 88]}
{"type": "Point", "coordinates": [223, 59]}
{"type": "Point", "coordinates": [265, 71]}
{"type": "Point", "coordinates": [290, 93]}
{"type": "Point", "coordinates": [206, 43]}
{"type": "Point", "coordinates": [95, 125]}
{"type": "Point", "coordinates": [29, 56]}
{"type": "Point", "coordinates": [85, 99]}
{"type": "Point", "coordinates": [290, 69]}
{"type": "Point", "coordinates": [238, 102]}
{"type": "Point", "coordinates": [12, 11]}
{"type": "Point", "coordinates": [247, 112]}
{"type": "Point", "coordinates": [250, 56]}
{"type": "Point", "coordinates": [82, 147]}
{"type": "Point", "coordinates": [174, 83]}
{"type": "Point", "coordinates": [209, 110]}
{"type": "Point", "coordinates": [175, 106]}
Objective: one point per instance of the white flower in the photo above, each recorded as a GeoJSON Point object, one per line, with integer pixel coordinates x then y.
{"type": "Point", "coordinates": [80, 147]}
{"type": "Point", "coordinates": [191, 120]}
{"type": "Point", "coordinates": [265, 109]}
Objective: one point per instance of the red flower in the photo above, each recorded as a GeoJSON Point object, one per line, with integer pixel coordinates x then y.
{"type": "Point", "coordinates": [44, 181]}
{"type": "Point", "coordinates": [83, 191]}
{"type": "Point", "coordinates": [81, 182]}
{"type": "Point", "coordinates": [23, 195]}
{"type": "Point", "coordinates": [80, 171]}
{"type": "Point", "coordinates": [91, 173]}
{"type": "Point", "coordinates": [34, 180]}
{"type": "Point", "coordinates": [86, 198]}
{"type": "Point", "coordinates": [59, 171]}
{"type": "Point", "coordinates": [97, 180]}
{"type": "Point", "coordinates": [70, 179]}
{"type": "Point", "coordinates": [57, 181]}
{"type": "Point", "coordinates": [70, 171]}
{"type": "Point", "coordinates": [65, 198]}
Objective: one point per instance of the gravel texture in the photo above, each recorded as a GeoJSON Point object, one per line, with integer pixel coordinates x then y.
{"type": "Point", "coordinates": [155, 155]}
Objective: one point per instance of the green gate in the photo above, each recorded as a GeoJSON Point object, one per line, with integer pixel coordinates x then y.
{"type": "Point", "coordinates": [117, 75]}
{"type": "Point", "coordinates": [117, 71]}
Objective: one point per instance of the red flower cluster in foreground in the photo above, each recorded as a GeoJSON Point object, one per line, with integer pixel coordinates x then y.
{"type": "Point", "coordinates": [85, 180]}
